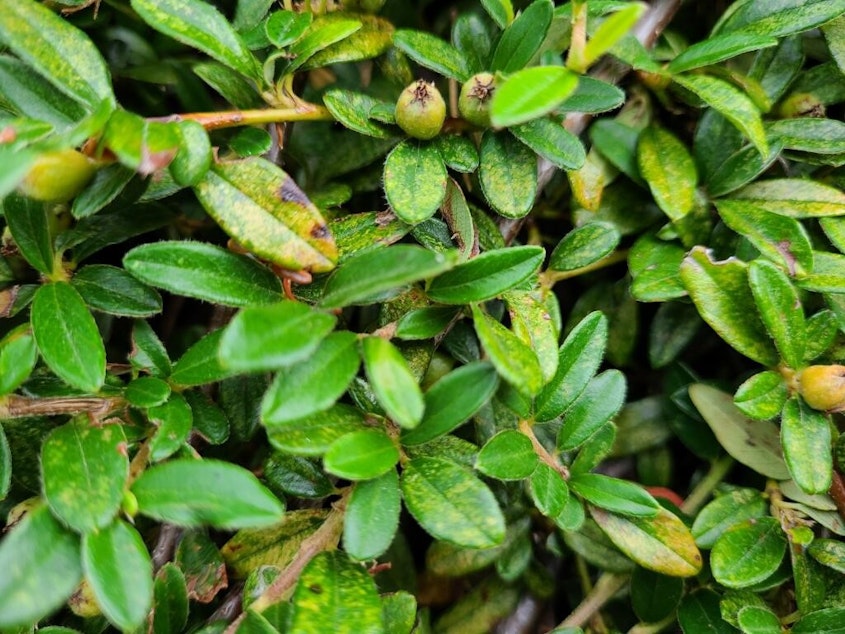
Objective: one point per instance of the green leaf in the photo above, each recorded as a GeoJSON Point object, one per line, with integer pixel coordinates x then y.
{"type": "Point", "coordinates": [828, 552]}
{"type": "Point", "coordinates": [112, 290]}
{"type": "Point", "coordinates": [720, 292]}
{"type": "Point", "coordinates": [515, 361]}
{"type": "Point", "coordinates": [593, 96]}
{"type": "Point", "coordinates": [699, 612]}
{"type": "Point", "coordinates": [806, 438]}
{"type": "Point", "coordinates": [453, 400]}
{"type": "Point", "coordinates": [147, 391]}
{"type": "Point", "coordinates": [170, 597]}
{"type": "Point", "coordinates": [174, 419]}
{"type": "Point", "coordinates": [782, 18]}
{"type": "Point", "coordinates": [261, 207]}
{"type": "Point", "coordinates": [600, 401]}
{"type": "Point", "coordinates": [195, 155]}
{"type": "Point", "coordinates": [508, 174]}
{"type": "Point", "coordinates": [232, 86]}
{"type": "Point", "coordinates": [826, 621]}
{"type": "Point", "coordinates": [579, 357]}
{"type": "Point", "coordinates": [395, 387]}
{"type": "Point", "coordinates": [67, 336]}
{"type": "Point", "coordinates": [110, 185]}
{"type": "Point", "coordinates": [58, 51]}
{"type": "Point", "coordinates": [334, 594]}
{"type": "Point", "coordinates": [500, 10]}
{"type": "Point", "coordinates": [451, 504]}
{"type": "Point", "coordinates": [200, 364]}
{"type": "Point", "coordinates": [533, 322]}
{"type": "Point", "coordinates": [748, 552]}
{"type": "Point", "coordinates": [458, 152]}
{"type": "Point", "coordinates": [794, 197]}
{"type": "Point", "coordinates": [655, 264]}
{"type": "Point", "coordinates": [584, 245]}
{"type": "Point", "coordinates": [196, 492]}
{"type": "Point", "coordinates": [424, 323]}
{"type": "Point", "coordinates": [522, 38]}
{"type": "Point", "coordinates": [780, 309]}
{"type": "Point", "coordinates": [27, 222]}
{"type": "Point", "coordinates": [361, 455]}
{"type": "Point", "coordinates": [548, 489]}
{"type": "Point", "coordinates": [415, 180]}
{"type": "Point", "coordinates": [295, 475]}
{"type": "Point", "coordinates": [371, 274]}
{"type": "Point", "coordinates": [509, 455]}
{"type": "Point", "coordinates": [18, 354]}
{"type": "Point", "coordinates": [313, 384]}
{"type": "Point", "coordinates": [312, 435]}
{"type": "Point", "coordinates": [372, 39]}
{"type": "Point", "coordinates": [263, 338]}
{"type": "Point", "coordinates": [433, 53]}
{"type": "Point", "coordinates": [530, 93]}
{"type": "Point", "coordinates": [717, 49]}
{"type": "Point", "coordinates": [372, 517]}
{"type": "Point", "coordinates": [779, 238]}
{"type": "Point", "coordinates": [762, 396]}
{"type": "Point", "coordinates": [352, 109]}
{"type": "Point", "coordinates": [726, 510]}
{"type": "Point", "coordinates": [142, 145]}
{"type": "Point", "coordinates": [487, 275]}
{"type": "Point", "coordinates": [83, 473]}
{"type": "Point", "coordinates": [809, 134]}
{"type": "Point", "coordinates": [654, 597]}
{"type": "Point", "coordinates": [611, 30]}
{"type": "Point", "coordinates": [661, 543]}
{"type": "Point", "coordinates": [286, 27]}
{"type": "Point", "coordinates": [666, 165]}
{"type": "Point", "coordinates": [119, 569]}
{"type": "Point", "coordinates": [548, 138]}
{"type": "Point", "coordinates": [40, 563]}
{"type": "Point", "coordinates": [614, 494]}
{"type": "Point", "coordinates": [203, 271]}
{"type": "Point", "coordinates": [5, 465]}
{"type": "Point", "coordinates": [33, 96]}
{"type": "Point", "coordinates": [148, 353]}
{"type": "Point", "coordinates": [828, 274]}
{"type": "Point", "coordinates": [323, 32]}
{"type": "Point", "coordinates": [741, 167]}
{"type": "Point", "coordinates": [732, 103]}
{"type": "Point", "coordinates": [756, 444]}
{"type": "Point", "coordinates": [201, 26]}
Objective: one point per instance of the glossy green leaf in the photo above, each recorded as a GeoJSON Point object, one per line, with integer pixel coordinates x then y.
{"type": "Point", "coordinates": [794, 197]}
{"type": "Point", "coordinates": [661, 543]}
{"type": "Point", "coordinates": [204, 271]}
{"type": "Point", "coordinates": [174, 419]}
{"type": "Point", "coordinates": [673, 329]}
{"type": "Point", "coordinates": [433, 53]}
{"type": "Point", "coordinates": [458, 152]}
{"type": "Point", "coordinates": [334, 594]}
{"type": "Point", "coordinates": [780, 309]}
{"type": "Point", "coordinates": [828, 274]}
{"type": "Point", "coordinates": [112, 290]}
{"type": "Point", "coordinates": [451, 504]}
{"type": "Point", "coordinates": [201, 26]}
{"type": "Point", "coordinates": [262, 208]}
{"type": "Point", "coordinates": [732, 103]}
{"type": "Point", "coordinates": [195, 492]}
{"type": "Point", "coordinates": [515, 361]}
{"type": "Point", "coordinates": [584, 245]}
{"type": "Point", "coordinates": [748, 553]}
{"type": "Point", "coordinates": [5, 465]}
{"type": "Point", "coordinates": [67, 336]}
{"type": "Point", "coordinates": [415, 181]}
{"type": "Point", "coordinates": [548, 490]}
{"type": "Point", "coordinates": [779, 238]}
{"type": "Point", "coordinates": [720, 292]}
{"type": "Point", "coordinates": [313, 384]}
{"type": "Point", "coordinates": [755, 444]}
{"type": "Point", "coordinates": [826, 621]}
{"type": "Point", "coordinates": [654, 264]}
{"type": "Point", "coordinates": [522, 37]}
{"type": "Point", "coordinates": [323, 32]}
{"type": "Point", "coordinates": [532, 321]}
{"type": "Point", "coordinates": [726, 510]}
{"type": "Point", "coordinates": [110, 184]}
{"type": "Point", "coordinates": [548, 138]}
{"type": "Point", "coordinates": [487, 275]}
{"type": "Point", "coordinates": [147, 391]}
{"type": "Point", "coordinates": [119, 569]}
{"type": "Point", "coordinates": [263, 338]}
{"type": "Point", "coordinates": [40, 560]}
{"type": "Point", "coordinates": [170, 600]}
{"type": "Point", "coordinates": [201, 362]}
{"type": "Point", "coordinates": [654, 597]}
{"type": "Point", "coordinates": [424, 323]}
{"type": "Point", "coordinates": [58, 51]}
{"type": "Point", "coordinates": [27, 221]}
{"type": "Point", "coordinates": [762, 396]}
{"type": "Point", "coordinates": [148, 352]}
{"type": "Point", "coordinates": [230, 84]}
{"type": "Point", "coordinates": [194, 157]}
{"type": "Point", "coordinates": [666, 165]}
{"type": "Point", "coordinates": [579, 357]}
{"type": "Point", "coordinates": [741, 167]}
{"type": "Point", "coordinates": [295, 475]}
{"type": "Point", "coordinates": [18, 354]}
{"type": "Point", "coordinates": [373, 273]}
{"type": "Point", "coordinates": [828, 552]}
{"type": "Point", "coordinates": [509, 455]}
{"type": "Point", "coordinates": [700, 610]}
{"type": "Point", "coordinates": [372, 517]}
{"type": "Point", "coordinates": [530, 93]}
{"type": "Point", "coordinates": [600, 400]}
{"type": "Point", "coordinates": [352, 109]}
{"type": "Point", "coordinates": [361, 455]}
{"type": "Point", "coordinates": [313, 434]}
{"type": "Point", "coordinates": [611, 30]}
{"type": "Point", "coordinates": [782, 18]}
{"type": "Point", "coordinates": [810, 134]}
{"type": "Point", "coordinates": [285, 27]}
{"type": "Point", "coordinates": [141, 145]}
{"type": "Point", "coordinates": [614, 495]}
{"type": "Point", "coordinates": [395, 387]}
{"type": "Point", "coordinates": [717, 49]}
{"type": "Point", "coordinates": [500, 10]}
{"type": "Point", "coordinates": [31, 95]}
{"type": "Point", "coordinates": [373, 38]}
{"type": "Point", "coordinates": [806, 438]}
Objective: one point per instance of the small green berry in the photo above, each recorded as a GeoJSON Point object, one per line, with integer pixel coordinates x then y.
{"type": "Point", "coordinates": [420, 110]}
{"type": "Point", "coordinates": [474, 102]}
{"type": "Point", "coordinates": [58, 176]}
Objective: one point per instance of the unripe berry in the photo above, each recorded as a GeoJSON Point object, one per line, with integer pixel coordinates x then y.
{"type": "Point", "coordinates": [58, 176]}
{"type": "Point", "coordinates": [823, 387]}
{"type": "Point", "coordinates": [420, 110]}
{"type": "Point", "coordinates": [474, 102]}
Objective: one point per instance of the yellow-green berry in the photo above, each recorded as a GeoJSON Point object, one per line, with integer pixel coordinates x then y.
{"type": "Point", "coordinates": [58, 176]}
{"type": "Point", "coordinates": [474, 101]}
{"type": "Point", "coordinates": [420, 110]}
{"type": "Point", "coordinates": [823, 387]}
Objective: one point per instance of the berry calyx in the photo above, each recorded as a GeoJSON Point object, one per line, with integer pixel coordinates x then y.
{"type": "Point", "coordinates": [474, 101]}
{"type": "Point", "coordinates": [823, 387]}
{"type": "Point", "coordinates": [420, 110]}
{"type": "Point", "coordinates": [58, 176]}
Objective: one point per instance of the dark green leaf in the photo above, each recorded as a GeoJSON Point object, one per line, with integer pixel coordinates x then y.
{"type": "Point", "coordinates": [194, 157]}
{"type": "Point", "coordinates": [584, 245]}
{"type": "Point", "coordinates": [414, 180]}
{"type": "Point", "coordinates": [725, 511]}
{"type": "Point", "coordinates": [548, 489]}
{"type": "Point", "coordinates": [431, 52]}
{"type": "Point", "coordinates": [602, 399]}
{"type": "Point", "coordinates": [204, 271]}
{"type": "Point", "coordinates": [593, 96]}
{"type": "Point", "coordinates": [170, 600]}
{"type": "Point", "coordinates": [201, 363]}
{"type": "Point", "coordinates": [451, 504]}
{"type": "Point", "coordinates": [522, 37]}
{"type": "Point", "coordinates": [509, 455]}
{"type": "Point", "coordinates": [119, 569]}
{"type": "Point", "coordinates": [40, 560]}
{"type": "Point", "coordinates": [5, 465]}
{"type": "Point", "coordinates": [33, 96]}
{"type": "Point", "coordinates": [112, 290]}
{"type": "Point", "coordinates": [762, 396]}
{"type": "Point", "coordinates": [18, 354]}
{"type": "Point", "coordinates": [828, 552]}
{"type": "Point", "coordinates": [530, 93]}
{"type": "Point", "coordinates": [372, 517]}
{"type": "Point", "coordinates": [148, 353]}
{"type": "Point", "coordinates": [717, 49]}
{"type": "Point", "coordinates": [361, 455]}
{"type": "Point", "coordinates": [741, 167]}
{"type": "Point", "coordinates": [780, 309]}
{"type": "Point", "coordinates": [27, 222]}
{"type": "Point", "coordinates": [809, 134]}
{"type": "Point", "coordinates": [174, 419]}
{"type": "Point", "coordinates": [67, 336]}
{"type": "Point", "coordinates": [795, 197]}
{"type": "Point", "coordinates": [424, 323]}
{"type": "Point", "coordinates": [285, 27]}
{"type": "Point", "coordinates": [392, 381]}
{"type": "Point", "coordinates": [548, 138]}
{"type": "Point", "coordinates": [782, 18]}
{"type": "Point", "coordinates": [500, 10]}
{"type": "Point", "coordinates": [674, 327]}
{"type": "Point", "coordinates": [654, 597]}
{"type": "Point", "coordinates": [147, 391]}
{"type": "Point", "coordinates": [295, 475]}
{"type": "Point", "coordinates": [699, 614]}
{"type": "Point", "coordinates": [486, 275]}
{"type": "Point", "coordinates": [748, 552]}
{"type": "Point", "coordinates": [195, 492]}
{"type": "Point", "coordinates": [806, 437]}
{"type": "Point", "coordinates": [533, 320]}
{"type": "Point", "coordinates": [232, 86]}
{"type": "Point", "coordinates": [110, 183]}
{"type": "Point", "coordinates": [666, 165]}
{"type": "Point", "coordinates": [312, 435]}
{"type": "Point", "coordinates": [826, 621]}
{"type": "Point", "coordinates": [352, 109]}
{"type": "Point", "coordinates": [458, 152]}
{"type": "Point", "coordinates": [614, 495]}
